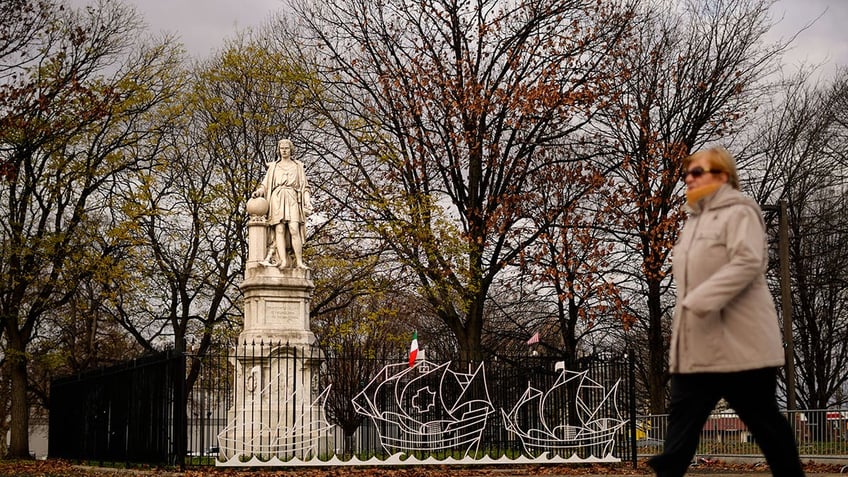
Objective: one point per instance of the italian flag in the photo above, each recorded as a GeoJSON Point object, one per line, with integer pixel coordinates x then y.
{"type": "Point", "coordinates": [413, 349]}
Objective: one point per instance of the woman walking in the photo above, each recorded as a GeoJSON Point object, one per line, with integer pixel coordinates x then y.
{"type": "Point", "coordinates": [725, 338]}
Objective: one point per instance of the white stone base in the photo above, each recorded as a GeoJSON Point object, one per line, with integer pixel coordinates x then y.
{"type": "Point", "coordinates": [276, 306]}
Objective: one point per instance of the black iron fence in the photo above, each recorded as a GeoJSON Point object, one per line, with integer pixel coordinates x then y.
{"type": "Point", "coordinates": [125, 413]}
{"type": "Point", "coordinates": [298, 404]}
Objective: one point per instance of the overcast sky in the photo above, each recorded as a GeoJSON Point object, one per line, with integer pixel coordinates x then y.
{"type": "Point", "coordinates": [202, 25]}
{"type": "Point", "coordinates": [825, 41]}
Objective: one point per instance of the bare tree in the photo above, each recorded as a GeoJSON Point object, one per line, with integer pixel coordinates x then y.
{"type": "Point", "coordinates": [692, 72]}
{"type": "Point", "coordinates": [357, 339]}
{"type": "Point", "coordinates": [439, 112]}
{"type": "Point", "coordinates": [798, 156]}
{"type": "Point", "coordinates": [570, 266]}
{"type": "Point", "coordinates": [22, 33]}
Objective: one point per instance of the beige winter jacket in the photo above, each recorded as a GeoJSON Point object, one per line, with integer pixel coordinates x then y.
{"type": "Point", "coordinates": [724, 319]}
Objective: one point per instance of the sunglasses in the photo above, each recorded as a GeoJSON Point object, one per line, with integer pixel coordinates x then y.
{"type": "Point", "coordinates": [697, 172]}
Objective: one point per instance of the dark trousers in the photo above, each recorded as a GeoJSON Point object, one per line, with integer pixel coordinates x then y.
{"type": "Point", "coordinates": [751, 394]}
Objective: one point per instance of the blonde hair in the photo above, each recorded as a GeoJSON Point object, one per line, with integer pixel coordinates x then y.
{"type": "Point", "coordinates": [718, 158]}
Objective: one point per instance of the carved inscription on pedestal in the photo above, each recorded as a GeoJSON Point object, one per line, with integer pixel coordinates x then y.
{"type": "Point", "coordinates": [283, 314]}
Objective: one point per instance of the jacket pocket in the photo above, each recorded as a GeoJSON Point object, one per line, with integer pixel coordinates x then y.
{"type": "Point", "coordinates": [709, 237]}
{"type": "Point", "coordinates": [705, 339]}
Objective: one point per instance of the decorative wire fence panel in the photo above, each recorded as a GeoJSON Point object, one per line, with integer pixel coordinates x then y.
{"type": "Point", "coordinates": [819, 433]}
{"type": "Point", "coordinates": [240, 397]}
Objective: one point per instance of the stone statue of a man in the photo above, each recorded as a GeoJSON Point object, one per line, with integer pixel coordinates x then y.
{"type": "Point", "coordinates": [289, 203]}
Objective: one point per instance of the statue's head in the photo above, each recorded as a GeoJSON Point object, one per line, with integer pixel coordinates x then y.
{"type": "Point", "coordinates": [284, 149]}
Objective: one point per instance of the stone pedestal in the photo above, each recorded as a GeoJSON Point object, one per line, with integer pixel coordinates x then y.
{"type": "Point", "coordinates": [276, 306]}
{"type": "Point", "coordinates": [276, 412]}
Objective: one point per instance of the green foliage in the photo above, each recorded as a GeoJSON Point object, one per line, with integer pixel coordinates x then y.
{"type": "Point", "coordinates": [73, 122]}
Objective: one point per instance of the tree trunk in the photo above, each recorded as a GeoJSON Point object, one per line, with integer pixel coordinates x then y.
{"type": "Point", "coordinates": [471, 350]}
{"type": "Point", "coordinates": [656, 350]}
{"type": "Point", "coordinates": [348, 444]}
{"type": "Point", "coordinates": [19, 435]}
{"type": "Point", "coordinates": [5, 396]}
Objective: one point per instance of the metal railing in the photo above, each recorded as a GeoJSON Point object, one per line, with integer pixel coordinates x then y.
{"type": "Point", "coordinates": [124, 413]}
{"type": "Point", "coordinates": [221, 408]}
{"type": "Point", "coordinates": [820, 434]}
{"type": "Point", "coordinates": [132, 412]}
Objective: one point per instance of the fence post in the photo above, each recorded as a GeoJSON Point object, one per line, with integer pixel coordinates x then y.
{"type": "Point", "coordinates": [631, 405]}
{"type": "Point", "coordinates": [180, 431]}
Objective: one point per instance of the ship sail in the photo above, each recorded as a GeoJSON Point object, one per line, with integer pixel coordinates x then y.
{"type": "Point", "coordinates": [427, 407]}
{"type": "Point", "coordinates": [541, 421]}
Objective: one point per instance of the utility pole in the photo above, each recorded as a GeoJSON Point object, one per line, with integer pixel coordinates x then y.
{"type": "Point", "coordinates": [785, 299]}
{"type": "Point", "coordinates": [786, 302]}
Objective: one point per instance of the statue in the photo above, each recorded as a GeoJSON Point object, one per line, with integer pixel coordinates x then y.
{"type": "Point", "coordinates": [277, 290]}
{"type": "Point", "coordinates": [289, 203]}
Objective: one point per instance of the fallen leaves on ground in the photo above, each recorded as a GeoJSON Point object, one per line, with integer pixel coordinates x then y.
{"type": "Point", "coordinates": [61, 468]}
